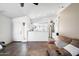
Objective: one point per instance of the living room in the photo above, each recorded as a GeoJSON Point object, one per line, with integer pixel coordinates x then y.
{"type": "Point", "coordinates": [39, 29]}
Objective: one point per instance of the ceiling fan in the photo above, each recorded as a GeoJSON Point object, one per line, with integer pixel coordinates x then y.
{"type": "Point", "coordinates": [22, 4]}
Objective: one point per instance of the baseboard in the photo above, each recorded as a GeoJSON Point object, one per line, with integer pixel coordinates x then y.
{"type": "Point", "coordinates": [29, 41]}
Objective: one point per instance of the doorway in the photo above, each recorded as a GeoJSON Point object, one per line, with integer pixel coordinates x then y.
{"type": "Point", "coordinates": [20, 32]}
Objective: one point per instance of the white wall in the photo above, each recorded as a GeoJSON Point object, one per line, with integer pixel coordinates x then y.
{"type": "Point", "coordinates": [37, 36]}
{"type": "Point", "coordinates": [5, 29]}
{"type": "Point", "coordinates": [31, 35]}
{"type": "Point", "coordinates": [41, 27]}
{"type": "Point", "coordinates": [69, 21]}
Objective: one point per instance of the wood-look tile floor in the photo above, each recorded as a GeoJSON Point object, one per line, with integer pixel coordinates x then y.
{"type": "Point", "coordinates": [20, 48]}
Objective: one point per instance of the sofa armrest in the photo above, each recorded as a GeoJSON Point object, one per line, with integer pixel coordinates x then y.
{"type": "Point", "coordinates": [64, 52]}
{"type": "Point", "coordinates": [53, 50]}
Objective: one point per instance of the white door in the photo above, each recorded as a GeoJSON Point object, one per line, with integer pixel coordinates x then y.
{"type": "Point", "coordinates": [20, 29]}
{"type": "Point", "coordinates": [23, 32]}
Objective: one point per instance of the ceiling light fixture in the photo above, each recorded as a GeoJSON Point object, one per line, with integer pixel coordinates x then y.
{"type": "Point", "coordinates": [22, 4]}
{"type": "Point", "coordinates": [35, 3]}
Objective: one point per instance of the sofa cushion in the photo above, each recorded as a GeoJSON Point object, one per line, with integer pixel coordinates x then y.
{"type": "Point", "coordinates": [65, 39]}
{"type": "Point", "coordinates": [72, 49]}
{"type": "Point", "coordinates": [60, 43]}
{"type": "Point", "coordinates": [75, 42]}
{"type": "Point", "coordinates": [64, 52]}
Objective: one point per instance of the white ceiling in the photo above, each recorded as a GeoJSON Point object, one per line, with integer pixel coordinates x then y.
{"type": "Point", "coordinates": [34, 12]}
